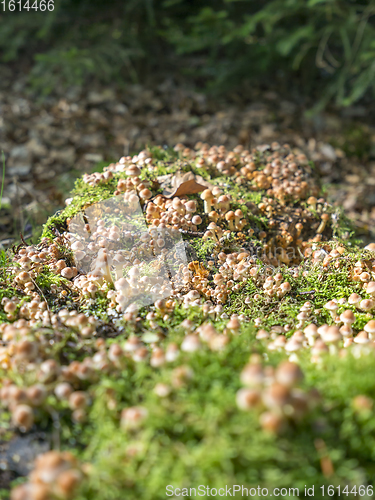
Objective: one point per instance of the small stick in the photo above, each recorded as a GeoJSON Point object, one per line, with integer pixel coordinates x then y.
{"type": "Point", "coordinates": [45, 300]}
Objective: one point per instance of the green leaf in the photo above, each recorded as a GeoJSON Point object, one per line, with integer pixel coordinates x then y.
{"type": "Point", "coordinates": [287, 44]}
{"type": "Point", "coordinates": [312, 3]}
{"type": "Point", "coordinates": [361, 84]}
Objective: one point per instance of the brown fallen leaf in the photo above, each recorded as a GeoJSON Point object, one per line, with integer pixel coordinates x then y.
{"type": "Point", "coordinates": [182, 184]}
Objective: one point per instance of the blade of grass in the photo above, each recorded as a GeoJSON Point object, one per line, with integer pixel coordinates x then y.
{"type": "Point", "coordinates": [3, 179]}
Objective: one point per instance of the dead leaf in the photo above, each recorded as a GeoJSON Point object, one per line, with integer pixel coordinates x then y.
{"type": "Point", "coordinates": [182, 184]}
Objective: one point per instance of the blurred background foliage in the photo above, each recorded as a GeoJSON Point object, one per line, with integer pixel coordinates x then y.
{"type": "Point", "coordinates": [323, 48]}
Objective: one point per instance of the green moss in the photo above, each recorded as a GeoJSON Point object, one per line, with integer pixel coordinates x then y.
{"type": "Point", "coordinates": [355, 141]}
{"type": "Point", "coordinates": [203, 248]}
{"type": "Point", "coordinates": [197, 435]}
{"type": "Point", "coordinates": [7, 288]}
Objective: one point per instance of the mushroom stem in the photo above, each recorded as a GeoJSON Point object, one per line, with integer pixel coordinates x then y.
{"type": "Point", "coordinates": [323, 223]}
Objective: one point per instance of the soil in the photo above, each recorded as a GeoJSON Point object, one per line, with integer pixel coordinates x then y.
{"type": "Point", "coordinates": [49, 141]}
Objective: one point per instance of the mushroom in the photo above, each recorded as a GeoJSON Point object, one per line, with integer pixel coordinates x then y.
{"type": "Point", "coordinates": [324, 219]}
{"type": "Point", "coordinates": [272, 422]}
{"type": "Point", "coordinates": [247, 399]}
{"type": "Point", "coordinates": [23, 417]}
{"type": "Point", "coordinates": [191, 343]}
{"type": "Point", "coordinates": [213, 216]}
{"type": "Point", "coordinates": [133, 171]}
{"type": "Point", "coordinates": [332, 337]}
{"type": "Point", "coordinates": [162, 390]}
{"type": "Point", "coordinates": [238, 216]}
{"type": "Point", "coordinates": [206, 331]}
{"type": "Point", "coordinates": [283, 289]}
{"type": "Point", "coordinates": [252, 375]}
{"type": "Point", "coordinates": [233, 325]}
{"type": "Point", "coordinates": [331, 307]}
{"type": "Point", "coordinates": [262, 334]}
{"type": "Point", "coordinates": [347, 317]}
{"type": "Point", "coordinates": [354, 300]}
{"type": "Point", "coordinates": [69, 272]}
{"type": "Point", "coordinates": [370, 288]}
{"type": "Point", "coordinates": [229, 217]}
{"type": "Point", "coordinates": [366, 305]}
{"type": "Point", "coordinates": [172, 352]}
{"type": "Point", "coordinates": [318, 349]}
{"type": "Point", "coordinates": [312, 202]}
{"type": "Point", "coordinates": [311, 333]}
{"type": "Point", "coordinates": [362, 337]}
{"type": "Point", "coordinates": [196, 220]}
{"type": "Point", "coordinates": [288, 374]}
{"type": "Point", "coordinates": [302, 317]}
{"type": "Point", "coordinates": [145, 194]}
{"type": "Point", "coordinates": [207, 197]}
{"type": "Point", "coordinates": [132, 417]}
{"type": "Point", "coordinates": [346, 331]}
{"type": "Point", "coordinates": [370, 329]}
{"type": "Point", "coordinates": [276, 397]}
{"type": "Point", "coordinates": [191, 206]}
{"type": "Point", "coordinates": [223, 203]}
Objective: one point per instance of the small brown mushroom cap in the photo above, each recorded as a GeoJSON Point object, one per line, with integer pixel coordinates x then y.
{"type": "Point", "coordinates": [247, 399]}
{"type": "Point", "coordinates": [262, 334]}
{"type": "Point", "coordinates": [271, 422]}
{"type": "Point", "coordinates": [362, 403]}
{"type": "Point", "coordinates": [366, 304]}
{"type": "Point", "coordinates": [252, 375]}
{"type": "Point", "coordinates": [145, 194]}
{"type": "Point", "coordinates": [346, 331]}
{"type": "Point", "coordinates": [276, 396]}
{"type": "Point", "coordinates": [191, 343]}
{"type": "Point", "coordinates": [354, 299]}
{"type": "Point", "coordinates": [23, 417]}
{"type": "Point", "coordinates": [234, 325]}
{"type": "Point", "coordinates": [311, 330]}
{"type": "Point", "coordinates": [285, 287]}
{"type": "Point", "coordinates": [230, 215]}
{"type": "Point", "coordinates": [133, 171]}
{"type": "Point", "coordinates": [347, 317]}
{"type": "Point", "coordinates": [207, 195]}
{"type": "Point", "coordinates": [191, 206]}
{"type": "Point", "coordinates": [288, 374]}
{"type": "Point", "coordinates": [370, 327]}
{"type": "Point", "coordinates": [362, 338]}
{"type": "Point", "coordinates": [332, 335]}
{"type": "Point", "coordinates": [331, 306]}
{"type": "Point", "coordinates": [132, 417]}
{"type": "Point", "coordinates": [302, 316]}
{"type": "Point", "coordinates": [319, 347]}
{"type": "Point", "coordinates": [312, 200]}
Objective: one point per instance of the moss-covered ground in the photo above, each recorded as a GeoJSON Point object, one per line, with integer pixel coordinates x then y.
{"type": "Point", "coordinates": [190, 430]}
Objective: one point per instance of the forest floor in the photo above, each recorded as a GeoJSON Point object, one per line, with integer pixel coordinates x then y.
{"type": "Point", "coordinates": [50, 141]}
{"type": "Point", "coordinates": [152, 352]}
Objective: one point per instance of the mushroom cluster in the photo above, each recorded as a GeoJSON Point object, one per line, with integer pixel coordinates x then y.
{"type": "Point", "coordinates": [275, 394]}
{"type": "Point", "coordinates": [55, 475]}
{"type": "Point", "coordinates": [225, 253]}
